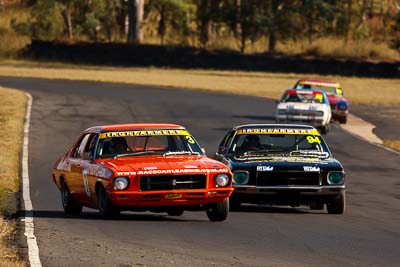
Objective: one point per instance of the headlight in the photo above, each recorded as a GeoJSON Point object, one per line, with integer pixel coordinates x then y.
{"type": "Point", "coordinates": [221, 180]}
{"type": "Point", "coordinates": [335, 177]}
{"type": "Point", "coordinates": [121, 183]}
{"type": "Point", "coordinates": [240, 177]}
{"type": "Point", "coordinates": [342, 106]}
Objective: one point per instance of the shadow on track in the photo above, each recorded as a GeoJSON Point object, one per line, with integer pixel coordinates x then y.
{"type": "Point", "coordinates": [255, 117]}
{"type": "Point", "coordinates": [125, 216]}
{"type": "Point", "coordinates": [276, 209]}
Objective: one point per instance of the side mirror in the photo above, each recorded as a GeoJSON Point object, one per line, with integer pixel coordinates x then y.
{"type": "Point", "coordinates": [86, 156]}
{"type": "Point", "coordinates": [221, 150]}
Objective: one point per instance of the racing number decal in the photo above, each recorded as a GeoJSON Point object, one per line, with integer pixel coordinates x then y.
{"type": "Point", "coordinates": [189, 139]}
{"type": "Point", "coordinates": [312, 139]}
{"type": "Point", "coordinates": [86, 182]}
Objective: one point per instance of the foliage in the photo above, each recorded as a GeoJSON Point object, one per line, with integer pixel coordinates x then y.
{"type": "Point", "coordinates": [215, 23]}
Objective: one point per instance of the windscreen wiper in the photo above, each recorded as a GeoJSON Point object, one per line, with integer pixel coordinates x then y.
{"type": "Point", "coordinates": [136, 153]}
{"type": "Point", "coordinates": [171, 153]}
{"type": "Point", "coordinates": [310, 153]}
{"type": "Point", "coordinates": [264, 151]}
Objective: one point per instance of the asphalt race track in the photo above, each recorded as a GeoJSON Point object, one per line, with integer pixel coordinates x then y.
{"type": "Point", "coordinates": [367, 235]}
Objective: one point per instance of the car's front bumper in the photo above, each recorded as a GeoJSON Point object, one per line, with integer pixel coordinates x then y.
{"type": "Point", "coordinates": [286, 195]}
{"type": "Point", "coordinates": [339, 114]}
{"type": "Point", "coordinates": [313, 120]}
{"type": "Point", "coordinates": [128, 199]}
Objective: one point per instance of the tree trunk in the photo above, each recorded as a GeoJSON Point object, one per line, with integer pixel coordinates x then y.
{"type": "Point", "coordinates": [273, 27]}
{"type": "Point", "coordinates": [66, 14]}
{"type": "Point", "coordinates": [135, 16]}
{"type": "Point", "coordinates": [310, 29]}
{"type": "Point", "coordinates": [243, 38]}
{"type": "Point", "coordinates": [348, 21]}
{"type": "Point", "coordinates": [205, 23]}
{"type": "Point", "coordinates": [162, 27]}
{"type": "Point", "coordinates": [271, 41]}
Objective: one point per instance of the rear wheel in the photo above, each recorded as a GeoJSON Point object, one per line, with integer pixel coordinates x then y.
{"type": "Point", "coordinates": [106, 209]}
{"type": "Point", "coordinates": [218, 212]}
{"type": "Point", "coordinates": [338, 205]}
{"type": "Point", "coordinates": [69, 205]}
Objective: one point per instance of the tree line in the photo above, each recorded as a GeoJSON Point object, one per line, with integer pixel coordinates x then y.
{"type": "Point", "coordinates": [200, 22]}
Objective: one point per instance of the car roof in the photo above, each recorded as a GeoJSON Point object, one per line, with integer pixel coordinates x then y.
{"type": "Point", "coordinates": [272, 125]}
{"type": "Point", "coordinates": [131, 126]}
{"type": "Point", "coordinates": [319, 82]}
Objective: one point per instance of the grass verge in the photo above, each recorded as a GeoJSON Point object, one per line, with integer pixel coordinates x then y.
{"type": "Point", "coordinates": [368, 91]}
{"type": "Point", "coordinates": [12, 112]}
{"type": "Point", "coordinates": [392, 143]}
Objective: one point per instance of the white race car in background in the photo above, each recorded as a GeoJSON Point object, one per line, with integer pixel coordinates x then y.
{"type": "Point", "coordinates": [306, 106]}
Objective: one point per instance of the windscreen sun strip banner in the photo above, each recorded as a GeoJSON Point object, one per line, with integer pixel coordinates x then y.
{"type": "Point", "coordinates": [277, 131]}
{"type": "Point", "coordinates": [153, 132]}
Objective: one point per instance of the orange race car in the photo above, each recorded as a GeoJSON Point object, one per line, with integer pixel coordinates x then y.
{"type": "Point", "coordinates": [142, 167]}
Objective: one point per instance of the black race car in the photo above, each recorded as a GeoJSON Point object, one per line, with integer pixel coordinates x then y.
{"type": "Point", "coordinates": [282, 164]}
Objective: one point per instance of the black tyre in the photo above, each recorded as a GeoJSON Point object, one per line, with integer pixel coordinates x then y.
{"type": "Point", "coordinates": [218, 212]}
{"type": "Point", "coordinates": [343, 120]}
{"type": "Point", "coordinates": [175, 212]}
{"type": "Point", "coordinates": [69, 205]}
{"type": "Point", "coordinates": [325, 129]}
{"type": "Point", "coordinates": [338, 205]}
{"type": "Point", "coordinates": [106, 209]}
{"type": "Point", "coordinates": [234, 204]}
{"type": "Point", "coordinates": [317, 206]}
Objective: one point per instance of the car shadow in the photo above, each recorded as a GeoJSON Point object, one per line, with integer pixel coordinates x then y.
{"type": "Point", "coordinates": [276, 209]}
{"type": "Point", "coordinates": [254, 117]}
{"type": "Point", "coordinates": [93, 215]}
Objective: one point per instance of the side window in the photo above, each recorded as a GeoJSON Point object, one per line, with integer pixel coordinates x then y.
{"type": "Point", "coordinates": [92, 144]}
{"type": "Point", "coordinates": [227, 140]}
{"type": "Point", "coordinates": [87, 144]}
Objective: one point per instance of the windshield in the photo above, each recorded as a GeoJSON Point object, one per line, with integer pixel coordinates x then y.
{"type": "Point", "coordinates": [310, 144]}
{"type": "Point", "coordinates": [330, 90]}
{"type": "Point", "coordinates": [176, 142]}
{"type": "Point", "coordinates": [303, 97]}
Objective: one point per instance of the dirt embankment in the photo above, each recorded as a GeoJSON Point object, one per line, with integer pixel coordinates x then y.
{"type": "Point", "coordinates": [120, 54]}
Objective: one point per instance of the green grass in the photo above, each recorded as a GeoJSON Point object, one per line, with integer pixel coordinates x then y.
{"type": "Point", "coordinates": [12, 112]}
{"type": "Point", "coordinates": [370, 91]}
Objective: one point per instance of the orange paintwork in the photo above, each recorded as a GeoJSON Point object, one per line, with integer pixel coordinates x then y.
{"type": "Point", "coordinates": [89, 174]}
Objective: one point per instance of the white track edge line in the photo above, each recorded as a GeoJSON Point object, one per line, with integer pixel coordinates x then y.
{"type": "Point", "coordinates": [33, 249]}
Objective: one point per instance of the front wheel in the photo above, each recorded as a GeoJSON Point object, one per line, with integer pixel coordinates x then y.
{"type": "Point", "coordinates": [218, 212]}
{"type": "Point", "coordinates": [338, 205]}
{"type": "Point", "coordinates": [106, 209]}
{"type": "Point", "coordinates": [69, 205]}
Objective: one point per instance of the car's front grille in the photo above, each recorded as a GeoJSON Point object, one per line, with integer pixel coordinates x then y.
{"type": "Point", "coordinates": [298, 112]}
{"type": "Point", "coordinates": [287, 178]}
{"type": "Point", "coordinates": [172, 182]}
